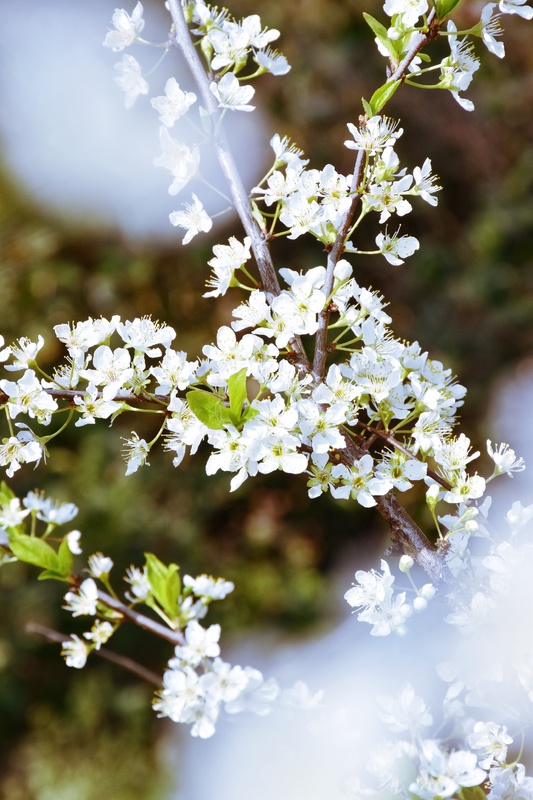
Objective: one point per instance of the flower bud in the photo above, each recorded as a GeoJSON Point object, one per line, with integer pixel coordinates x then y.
{"type": "Point", "coordinates": [406, 563]}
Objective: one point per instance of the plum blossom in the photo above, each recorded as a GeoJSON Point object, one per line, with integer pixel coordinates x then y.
{"type": "Point", "coordinates": [194, 218]}
{"type": "Point", "coordinates": [230, 94]}
{"type": "Point", "coordinates": [173, 104]}
{"type": "Point", "coordinates": [127, 28]}
{"type": "Point", "coordinates": [129, 78]}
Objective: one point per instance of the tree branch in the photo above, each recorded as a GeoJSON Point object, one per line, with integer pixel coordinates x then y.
{"type": "Point", "coordinates": [122, 661]}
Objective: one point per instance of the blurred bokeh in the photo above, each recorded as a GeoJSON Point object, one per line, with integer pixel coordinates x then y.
{"type": "Point", "coordinates": [84, 232]}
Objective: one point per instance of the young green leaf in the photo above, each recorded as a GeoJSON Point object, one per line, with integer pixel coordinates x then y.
{"type": "Point", "coordinates": [381, 33]}
{"type": "Point", "coordinates": [34, 551]}
{"type": "Point", "coordinates": [445, 7]}
{"type": "Point", "coordinates": [65, 558]}
{"type": "Point", "coordinates": [165, 583]}
{"type": "Point", "coordinates": [382, 96]}
{"type": "Point", "coordinates": [367, 108]}
{"type": "Point", "coordinates": [237, 394]}
{"type": "Point", "coordinates": [209, 409]}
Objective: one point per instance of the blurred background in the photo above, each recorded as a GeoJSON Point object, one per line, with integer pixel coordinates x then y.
{"type": "Point", "coordinates": [84, 232]}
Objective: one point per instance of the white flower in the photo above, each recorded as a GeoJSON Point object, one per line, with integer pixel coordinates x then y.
{"type": "Point", "coordinates": [516, 7]}
{"type": "Point", "coordinates": [181, 160]}
{"type": "Point", "coordinates": [505, 460]}
{"type": "Point", "coordinates": [112, 369]}
{"type": "Point", "coordinates": [75, 652]}
{"type": "Point", "coordinates": [135, 453]}
{"type": "Point", "coordinates": [228, 258]}
{"type": "Point", "coordinates": [173, 104]}
{"type": "Point", "coordinates": [230, 94]}
{"type": "Point", "coordinates": [396, 249]}
{"type": "Point", "coordinates": [143, 333]}
{"type": "Point", "coordinates": [174, 372]}
{"type": "Point", "coordinates": [138, 580]}
{"type": "Point", "coordinates": [374, 135]}
{"type": "Point", "coordinates": [491, 740]}
{"type": "Point", "coordinates": [20, 449]}
{"type": "Point", "coordinates": [93, 405]}
{"type": "Point", "coordinates": [23, 351]}
{"type": "Point", "coordinates": [127, 28]}
{"type": "Point", "coordinates": [73, 542]}
{"type": "Point", "coordinates": [129, 78]}
{"type": "Point", "coordinates": [83, 602]}
{"type": "Point", "coordinates": [200, 644]}
{"type": "Point", "coordinates": [100, 633]}
{"type": "Point", "coordinates": [194, 219]}
{"type": "Point", "coordinates": [49, 511]}
{"type": "Point", "coordinates": [406, 712]}
{"type": "Point", "coordinates": [425, 183]}
{"type": "Point", "coordinates": [84, 335]}
{"type": "Point", "coordinates": [12, 515]}
{"type": "Point", "coordinates": [100, 565]}
{"type": "Point", "coordinates": [411, 10]}
{"type": "Point", "coordinates": [27, 396]}
{"type": "Point", "coordinates": [207, 587]}
{"type": "Point", "coordinates": [272, 61]}
{"type": "Point", "coordinates": [490, 29]}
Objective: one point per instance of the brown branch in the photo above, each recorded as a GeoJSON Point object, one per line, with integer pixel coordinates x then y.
{"type": "Point", "coordinates": [148, 624]}
{"type": "Point", "coordinates": [405, 532]}
{"type": "Point", "coordinates": [35, 629]}
{"type": "Point", "coordinates": [259, 238]}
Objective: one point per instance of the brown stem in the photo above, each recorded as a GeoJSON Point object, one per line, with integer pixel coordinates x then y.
{"type": "Point", "coordinates": [406, 534]}
{"type": "Point", "coordinates": [148, 624]}
{"type": "Point", "coordinates": [122, 661]}
{"type": "Point", "coordinates": [319, 361]}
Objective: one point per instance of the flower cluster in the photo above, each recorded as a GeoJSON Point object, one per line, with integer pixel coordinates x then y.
{"type": "Point", "coordinates": [228, 45]}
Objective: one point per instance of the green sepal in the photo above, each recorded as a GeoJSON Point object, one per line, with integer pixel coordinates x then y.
{"type": "Point", "coordinates": [34, 551]}
{"type": "Point", "coordinates": [165, 582]}
{"type": "Point", "coordinates": [445, 7]}
{"type": "Point", "coordinates": [381, 33]}
{"type": "Point", "coordinates": [382, 96]}
{"type": "Point", "coordinates": [209, 409]}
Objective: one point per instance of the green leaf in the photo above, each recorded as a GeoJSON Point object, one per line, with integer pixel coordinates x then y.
{"type": "Point", "coordinates": [249, 413]}
{"type": "Point", "coordinates": [237, 393]}
{"type": "Point", "coordinates": [65, 557]}
{"type": "Point", "coordinates": [473, 793]}
{"type": "Point", "coordinates": [367, 108]}
{"type": "Point", "coordinates": [34, 551]}
{"type": "Point", "coordinates": [381, 33]}
{"type": "Point", "coordinates": [382, 96]}
{"type": "Point", "coordinates": [6, 495]}
{"type": "Point", "coordinates": [445, 7]}
{"type": "Point", "coordinates": [209, 409]}
{"type": "Point", "coordinates": [165, 582]}
{"type": "Point", "coordinates": [50, 575]}
{"type": "Point", "coordinates": [379, 29]}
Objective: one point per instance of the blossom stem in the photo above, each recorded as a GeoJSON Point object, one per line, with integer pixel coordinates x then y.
{"type": "Point", "coordinates": [122, 661]}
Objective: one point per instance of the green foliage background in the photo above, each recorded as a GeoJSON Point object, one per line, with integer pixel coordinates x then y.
{"type": "Point", "coordinates": [466, 296]}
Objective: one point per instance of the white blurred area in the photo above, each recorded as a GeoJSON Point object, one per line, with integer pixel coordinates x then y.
{"type": "Point", "coordinates": [65, 135]}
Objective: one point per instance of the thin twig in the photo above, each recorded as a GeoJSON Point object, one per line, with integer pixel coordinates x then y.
{"type": "Point", "coordinates": [122, 661]}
